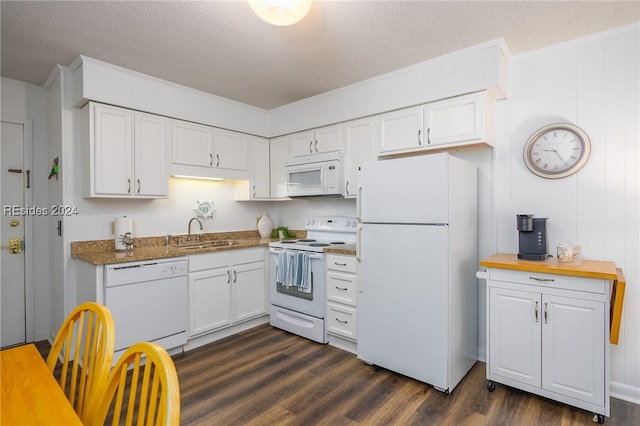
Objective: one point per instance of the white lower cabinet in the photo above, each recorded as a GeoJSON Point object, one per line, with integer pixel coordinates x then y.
{"type": "Point", "coordinates": [547, 334]}
{"type": "Point", "coordinates": [341, 318]}
{"type": "Point", "coordinates": [226, 288]}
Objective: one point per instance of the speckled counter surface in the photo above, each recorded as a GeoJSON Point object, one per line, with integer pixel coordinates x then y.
{"type": "Point", "coordinates": [348, 249]}
{"type": "Point", "coordinates": [102, 252]}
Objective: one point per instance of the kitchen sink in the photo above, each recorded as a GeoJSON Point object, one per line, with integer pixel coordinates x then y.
{"type": "Point", "coordinates": [212, 244]}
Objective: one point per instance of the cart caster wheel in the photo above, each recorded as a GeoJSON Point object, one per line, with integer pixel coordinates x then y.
{"type": "Point", "coordinates": [598, 418]}
{"type": "Point", "coordinates": [491, 386]}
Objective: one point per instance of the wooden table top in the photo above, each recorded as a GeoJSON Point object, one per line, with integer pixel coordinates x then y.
{"type": "Point", "coordinates": [30, 394]}
{"type": "Point", "coordinates": [582, 268]}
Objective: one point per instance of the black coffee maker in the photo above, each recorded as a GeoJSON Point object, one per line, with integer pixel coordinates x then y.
{"type": "Point", "coordinates": [532, 237]}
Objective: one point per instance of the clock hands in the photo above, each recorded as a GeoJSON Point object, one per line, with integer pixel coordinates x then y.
{"type": "Point", "coordinates": [558, 154]}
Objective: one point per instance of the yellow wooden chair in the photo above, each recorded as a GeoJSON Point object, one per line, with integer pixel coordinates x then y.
{"type": "Point", "coordinates": [82, 352]}
{"type": "Point", "coordinates": [140, 394]}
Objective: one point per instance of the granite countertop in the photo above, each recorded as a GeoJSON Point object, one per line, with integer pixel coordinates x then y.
{"type": "Point", "coordinates": [102, 252]}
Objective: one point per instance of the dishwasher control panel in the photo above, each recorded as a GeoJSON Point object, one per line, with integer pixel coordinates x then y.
{"type": "Point", "coordinates": [135, 272]}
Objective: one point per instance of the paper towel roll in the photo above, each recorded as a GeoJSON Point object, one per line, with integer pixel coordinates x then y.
{"type": "Point", "coordinates": [123, 235]}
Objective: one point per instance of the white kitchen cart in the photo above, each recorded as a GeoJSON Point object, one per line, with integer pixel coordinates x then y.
{"type": "Point", "coordinates": [548, 328]}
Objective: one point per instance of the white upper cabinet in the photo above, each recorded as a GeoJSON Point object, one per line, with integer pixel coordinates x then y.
{"type": "Point", "coordinates": [323, 139]}
{"type": "Point", "coordinates": [257, 187]}
{"type": "Point", "coordinates": [231, 150]}
{"type": "Point", "coordinates": [461, 122]}
{"type": "Point", "coordinates": [204, 151]}
{"type": "Point", "coordinates": [125, 155]}
{"type": "Point", "coordinates": [150, 154]}
{"type": "Point", "coordinates": [279, 155]}
{"type": "Point", "coordinates": [400, 131]}
{"type": "Point", "coordinates": [191, 144]}
{"type": "Point", "coordinates": [358, 148]}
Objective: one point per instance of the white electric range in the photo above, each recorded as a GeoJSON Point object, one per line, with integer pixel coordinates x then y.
{"type": "Point", "coordinates": [299, 308]}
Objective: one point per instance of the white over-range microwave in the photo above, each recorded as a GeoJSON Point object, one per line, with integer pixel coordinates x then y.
{"type": "Point", "coordinates": [320, 175]}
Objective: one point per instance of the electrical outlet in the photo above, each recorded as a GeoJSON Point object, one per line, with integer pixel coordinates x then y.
{"type": "Point", "coordinates": [113, 227]}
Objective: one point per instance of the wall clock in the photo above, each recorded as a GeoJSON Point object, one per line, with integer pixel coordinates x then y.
{"type": "Point", "coordinates": [557, 150]}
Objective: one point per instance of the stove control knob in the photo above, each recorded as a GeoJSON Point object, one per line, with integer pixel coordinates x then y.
{"type": "Point", "coordinates": [354, 224]}
{"type": "Point", "coordinates": [313, 221]}
{"type": "Point", "coordinates": [308, 221]}
{"type": "Point", "coordinates": [348, 224]}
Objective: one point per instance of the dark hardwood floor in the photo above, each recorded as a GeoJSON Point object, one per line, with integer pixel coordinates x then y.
{"type": "Point", "coordinates": [266, 376]}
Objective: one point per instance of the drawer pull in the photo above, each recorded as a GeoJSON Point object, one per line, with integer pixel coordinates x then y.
{"type": "Point", "coordinates": [342, 322]}
{"type": "Point", "coordinates": [537, 320]}
{"type": "Point", "coordinates": [339, 264]}
{"type": "Point", "coordinates": [341, 288]}
{"type": "Point", "coordinates": [542, 279]}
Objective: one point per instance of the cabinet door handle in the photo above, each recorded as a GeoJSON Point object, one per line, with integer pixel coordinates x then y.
{"type": "Point", "coordinates": [419, 133]}
{"type": "Point", "coordinates": [537, 319]}
{"type": "Point", "coordinates": [235, 276]}
{"type": "Point", "coordinates": [342, 322]}
{"type": "Point", "coordinates": [346, 187]}
{"type": "Point", "coordinates": [341, 288]}
{"type": "Point", "coordinates": [254, 191]}
{"type": "Point", "coordinates": [28, 172]}
{"type": "Point", "coordinates": [129, 184]}
{"type": "Point", "coordinates": [228, 276]}
{"type": "Point", "coordinates": [210, 159]}
{"type": "Point", "coordinates": [542, 279]}
{"type": "Point", "coordinates": [316, 145]}
{"type": "Point", "coordinates": [310, 147]}
{"type": "Point", "coordinates": [428, 135]}
{"type": "Point", "coordinates": [217, 160]}
{"type": "Point", "coordinates": [138, 185]}
{"type": "Point", "coordinates": [546, 313]}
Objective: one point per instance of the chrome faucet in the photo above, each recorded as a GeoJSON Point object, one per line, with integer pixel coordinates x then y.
{"type": "Point", "coordinates": [190, 222]}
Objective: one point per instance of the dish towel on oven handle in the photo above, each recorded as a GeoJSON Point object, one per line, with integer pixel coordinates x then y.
{"type": "Point", "coordinates": [294, 269]}
{"type": "Point", "coordinates": [303, 278]}
{"type": "Point", "coordinates": [282, 269]}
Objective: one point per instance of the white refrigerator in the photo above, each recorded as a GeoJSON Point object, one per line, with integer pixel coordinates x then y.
{"type": "Point", "coordinates": [417, 247]}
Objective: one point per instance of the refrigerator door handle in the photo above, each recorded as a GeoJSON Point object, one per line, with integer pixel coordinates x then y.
{"type": "Point", "coordinates": [360, 278]}
{"type": "Point", "coordinates": [359, 203]}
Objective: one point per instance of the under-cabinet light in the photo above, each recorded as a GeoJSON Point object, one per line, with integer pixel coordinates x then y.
{"type": "Point", "coordinates": [196, 177]}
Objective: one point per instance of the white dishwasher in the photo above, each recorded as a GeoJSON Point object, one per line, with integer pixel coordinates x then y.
{"type": "Point", "coordinates": [148, 301]}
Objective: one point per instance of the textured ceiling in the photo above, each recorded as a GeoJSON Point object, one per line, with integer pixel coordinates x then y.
{"type": "Point", "coordinates": [221, 47]}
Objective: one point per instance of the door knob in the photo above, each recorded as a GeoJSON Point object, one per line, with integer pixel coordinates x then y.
{"type": "Point", "coordinates": [14, 246]}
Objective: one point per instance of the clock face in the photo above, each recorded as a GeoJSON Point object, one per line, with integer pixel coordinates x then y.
{"type": "Point", "coordinates": [557, 150]}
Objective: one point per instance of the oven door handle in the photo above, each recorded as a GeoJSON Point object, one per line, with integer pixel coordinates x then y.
{"type": "Point", "coordinates": [312, 255]}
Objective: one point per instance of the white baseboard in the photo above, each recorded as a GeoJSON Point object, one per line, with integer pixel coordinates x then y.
{"type": "Point", "coordinates": [624, 392]}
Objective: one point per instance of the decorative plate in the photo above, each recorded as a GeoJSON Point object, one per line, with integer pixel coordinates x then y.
{"type": "Point", "coordinates": [204, 209]}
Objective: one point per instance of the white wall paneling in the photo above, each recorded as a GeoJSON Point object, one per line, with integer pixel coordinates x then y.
{"type": "Point", "coordinates": [592, 82]}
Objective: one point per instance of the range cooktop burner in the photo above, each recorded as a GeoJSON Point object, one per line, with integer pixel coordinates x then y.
{"type": "Point", "coordinates": [288, 242]}
{"type": "Point", "coordinates": [319, 245]}
{"type": "Point", "coordinates": [306, 240]}
{"type": "Point", "coordinates": [337, 242]}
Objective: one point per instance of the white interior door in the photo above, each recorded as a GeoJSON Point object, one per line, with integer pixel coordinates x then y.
{"type": "Point", "coordinates": [15, 179]}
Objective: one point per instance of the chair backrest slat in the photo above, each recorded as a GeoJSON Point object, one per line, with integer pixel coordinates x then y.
{"type": "Point", "coordinates": [144, 382]}
{"type": "Point", "coordinates": [81, 354]}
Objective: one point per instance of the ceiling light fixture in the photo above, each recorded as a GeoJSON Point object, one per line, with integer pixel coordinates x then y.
{"type": "Point", "coordinates": [281, 12]}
